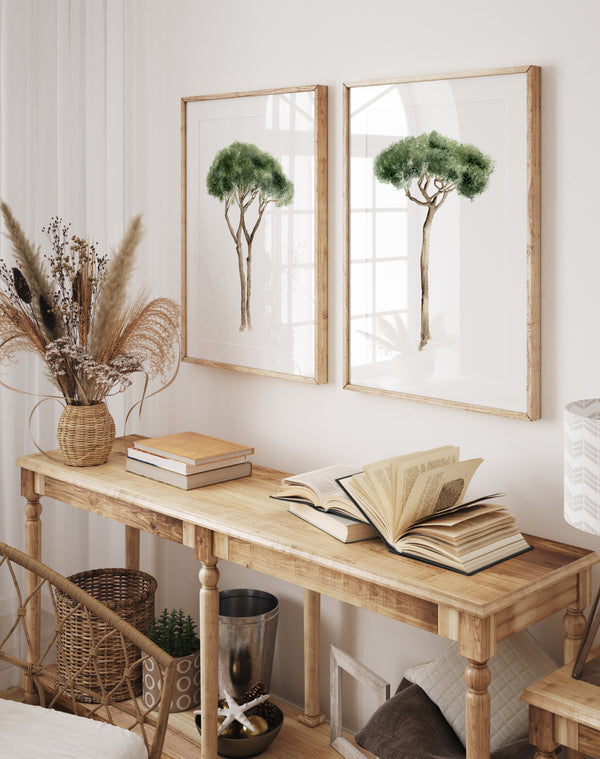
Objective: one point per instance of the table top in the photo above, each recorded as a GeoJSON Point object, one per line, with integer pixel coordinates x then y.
{"type": "Point", "coordinates": [242, 513]}
{"type": "Point", "coordinates": [565, 696]}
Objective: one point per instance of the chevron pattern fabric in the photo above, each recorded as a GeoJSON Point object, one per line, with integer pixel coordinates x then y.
{"type": "Point", "coordinates": [582, 465]}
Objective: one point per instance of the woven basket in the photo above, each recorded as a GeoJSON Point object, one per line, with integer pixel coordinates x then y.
{"type": "Point", "coordinates": [128, 592]}
{"type": "Point", "coordinates": [85, 434]}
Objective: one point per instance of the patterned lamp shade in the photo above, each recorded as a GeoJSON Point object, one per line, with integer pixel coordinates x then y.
{"type": "Point", "coordinates": [582, 465]}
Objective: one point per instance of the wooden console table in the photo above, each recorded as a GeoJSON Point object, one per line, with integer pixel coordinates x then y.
{"type": "Point", "coordinates": [238, 522]}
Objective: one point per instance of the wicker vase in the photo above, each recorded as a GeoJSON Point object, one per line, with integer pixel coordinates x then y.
{"type": "Point", "coordinates": [85, 434]}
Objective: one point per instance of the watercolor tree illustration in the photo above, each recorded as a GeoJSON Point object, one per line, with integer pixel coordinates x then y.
{"type": "Point", "coordinates": [437, 165]}
{"type": "Point", "coordinates": [248, 179]}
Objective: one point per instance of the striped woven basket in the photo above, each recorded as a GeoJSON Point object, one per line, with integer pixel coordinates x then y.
{"type": "Point", "coordinates": [85, 434]}
{"type": "Point", "coordinates": [128, 592]}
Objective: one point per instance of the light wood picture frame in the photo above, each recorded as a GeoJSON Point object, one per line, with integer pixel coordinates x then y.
{"type": "Point", "coordinates": [463, 329]}
{"type": "Point", "coordinates": [339, 662]}
{"type": "Point", "coordinates": [254, 284]}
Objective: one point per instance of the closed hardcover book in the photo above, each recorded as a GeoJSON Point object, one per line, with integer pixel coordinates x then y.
{"type": "Point", "coordinates": [192, 447]}
{"type": "Point", "coordinates": [180, 466]}
{"type": "Point", "coordinates": [189, 481]}
{"type": "Point", "coordinates": [344, 529]}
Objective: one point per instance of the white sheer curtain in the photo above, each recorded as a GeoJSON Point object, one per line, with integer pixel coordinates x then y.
{"type": "Point", "coordinates": [62, 122]}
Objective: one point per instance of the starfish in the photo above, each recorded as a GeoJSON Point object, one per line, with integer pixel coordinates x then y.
{"type": "Point", "coordinates": [234, 711]}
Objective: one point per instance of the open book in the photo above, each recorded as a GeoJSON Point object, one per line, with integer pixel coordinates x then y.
{"type": "Point", "coordinates": [320, 488]}
{"type": "Point", "coordinates": [317, 498]}
{"type": "Point", "coordinates": [416, 504]}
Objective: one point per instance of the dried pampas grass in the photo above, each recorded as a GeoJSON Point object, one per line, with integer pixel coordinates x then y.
{"type": "Point", "coordinates": [111, 299]}
{"type": "Point", "coordinates": [77, 317]}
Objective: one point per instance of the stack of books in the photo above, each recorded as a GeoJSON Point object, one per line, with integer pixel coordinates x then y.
{"type": "Point", "coordinates": [189, 460]}
{"type": "Point", "coordinates": [317, 498]}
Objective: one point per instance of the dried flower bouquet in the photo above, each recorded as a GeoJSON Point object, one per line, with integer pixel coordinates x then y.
{"type": "Point", "coordinates": [71, 308]}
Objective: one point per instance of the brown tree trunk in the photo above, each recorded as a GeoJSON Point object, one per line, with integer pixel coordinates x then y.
{"type": "Point", "coordinates": [425, 334]}
{"type": "Point", "coordinates": [248, 283]}
{"type": "Point", "coordinates": [240, 255]}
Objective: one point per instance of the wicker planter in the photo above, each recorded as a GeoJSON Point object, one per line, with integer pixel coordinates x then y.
{"type": "Point", "coordinates": [128, 592]}
{"type": "Point", "coordinates": [85, 434]}
{"type": "Point", "coordinates": [186, 690]}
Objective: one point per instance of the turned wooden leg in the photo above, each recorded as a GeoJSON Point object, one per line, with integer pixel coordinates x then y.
{"type": "Point", "coordinates": [312, 630]}
{"type": "Point", "coordinates": [209, 655]}
{"type": "Point", "coordinates": [574, 624]}
{"type": "Point", "coordinates": [33, 547]}
{"type": "Point", "coordinates": [478, 677]}
{"type": "Point", "coordinates": [541, 732]}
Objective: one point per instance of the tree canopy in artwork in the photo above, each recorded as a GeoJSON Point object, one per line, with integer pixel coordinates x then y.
{"type": "Point", "coordinates": [436, 165]}
{"type": "Point", "coordinates": [244, 176]}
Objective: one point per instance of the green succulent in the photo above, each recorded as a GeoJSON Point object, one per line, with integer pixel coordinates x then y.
{"type": "Point", "coordinates": [175, 633]}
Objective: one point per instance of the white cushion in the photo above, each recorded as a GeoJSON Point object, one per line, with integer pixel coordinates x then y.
{"type": "Point", "coordinates": [519, 662]}
{"type": "Point", "coordinates": [32, 731]}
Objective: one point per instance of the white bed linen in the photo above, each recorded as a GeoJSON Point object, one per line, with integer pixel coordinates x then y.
{"type": "Point", "coordinates": [32, 732]}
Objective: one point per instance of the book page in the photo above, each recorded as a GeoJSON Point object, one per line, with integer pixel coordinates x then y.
{"type": "Point", "coordinates": [322, 482]}
{"type": "Point", "coordinates": [461, 513]}
{"type": "Point", "coordinates": [380, 477]}
{"type": "Point", "coordinates": [361, 489]}
{"type": "Point", "coordinates": [406, 469]}
{"type": "Point", "coordinates": [384, 473]}
{"type": "Point", "coordinates": [474, 524]}
{"type": "Point", "coordinates": [436, 490]}
{"type": "Point", "coordinates": [503, 548]}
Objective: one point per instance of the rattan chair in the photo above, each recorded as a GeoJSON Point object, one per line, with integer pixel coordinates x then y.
{"type": "Point", "coordinates": [37, 592]}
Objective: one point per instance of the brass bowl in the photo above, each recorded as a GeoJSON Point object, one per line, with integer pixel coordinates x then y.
{"type": "Point", "coordinates": [244, 747]}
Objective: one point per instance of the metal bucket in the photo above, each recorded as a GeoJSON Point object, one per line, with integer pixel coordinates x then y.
{"type": "Point", "coordinates": [247, 632]}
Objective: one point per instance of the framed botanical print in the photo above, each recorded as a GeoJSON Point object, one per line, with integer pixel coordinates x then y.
{"type": "Point", "coordinates": [442, 212]}
{"type": "Point", "coordinates": [254, 231]}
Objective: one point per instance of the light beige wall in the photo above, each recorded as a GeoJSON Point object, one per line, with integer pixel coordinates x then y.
{"type": "Point", "coordinates": [192, 47]}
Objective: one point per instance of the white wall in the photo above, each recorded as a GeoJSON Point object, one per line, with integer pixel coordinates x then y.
{"type": "Point", "coordinates": [192, 47]}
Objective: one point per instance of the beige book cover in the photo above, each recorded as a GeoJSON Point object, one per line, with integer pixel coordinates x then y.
{"type": "Point", "coordinates": [193, 447]}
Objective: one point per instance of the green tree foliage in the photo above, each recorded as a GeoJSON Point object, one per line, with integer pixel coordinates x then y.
{"type": "Point", "coordinates": [243, 176]}
{"type": "Point", "coordinates": [437, 165]}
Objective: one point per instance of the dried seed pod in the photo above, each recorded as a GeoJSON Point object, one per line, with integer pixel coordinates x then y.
{"type": "Point", "coordinates": [21, 287]}
{"type": "Point", "coordinates": [76, 288]}
{"type": "Point", "coordinates": [47, 314]}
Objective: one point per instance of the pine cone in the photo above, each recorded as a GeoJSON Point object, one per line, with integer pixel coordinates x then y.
{"type": "Point", "coordinates": [269, 711]}
{"type": "Point", "coordinates": [254, 692]}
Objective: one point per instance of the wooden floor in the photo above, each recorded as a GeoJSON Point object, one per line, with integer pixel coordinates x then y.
{"type": "Point", "coordinates": [295, 741]}
{"type": "Point", "coordinates": [12, 694]}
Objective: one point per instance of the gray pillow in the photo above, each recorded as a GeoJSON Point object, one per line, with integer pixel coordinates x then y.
{"type": "Point", "coordinates": [410, 726]}
{"type": "Point", "coordinates": [519, 662]}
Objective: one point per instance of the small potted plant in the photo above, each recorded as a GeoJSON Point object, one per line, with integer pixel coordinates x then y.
{"type": "Point", "coordinates": [175, 633]}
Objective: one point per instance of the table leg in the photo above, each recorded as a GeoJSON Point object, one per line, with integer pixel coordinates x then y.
{"type": "Point", "coordinates": [312, 635]}
{"type": "Point", "coordinates": [541, 732]}
{"type": "Point", "coordinates": [132, 547]}
{"type": "Point", "coordinates": [574, 624]}
{"type": "Point", "coordinates": [33, 548]}
{"type": "Point", "coordinates": [478, 677]}
{"type": "Point", "coordinates": [209, 655]}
